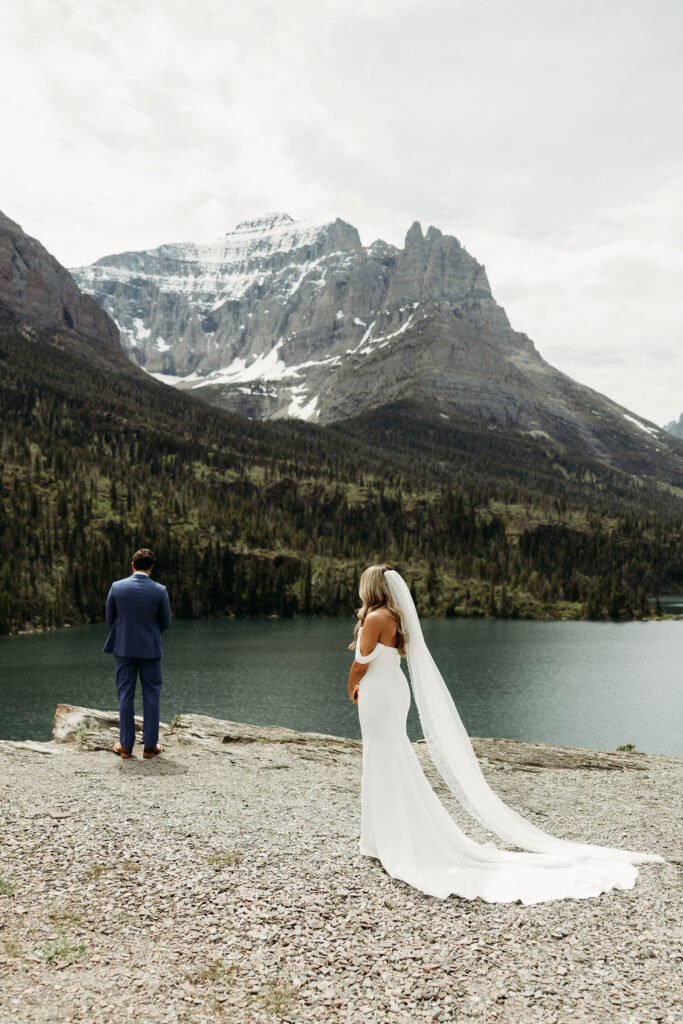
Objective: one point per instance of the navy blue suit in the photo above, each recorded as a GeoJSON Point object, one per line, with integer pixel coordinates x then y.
{"type": "Point", "coordinates": [138, 612]}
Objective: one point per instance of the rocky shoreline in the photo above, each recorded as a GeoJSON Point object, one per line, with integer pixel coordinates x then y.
{"type": "Point", "coordinates": [222, 882]}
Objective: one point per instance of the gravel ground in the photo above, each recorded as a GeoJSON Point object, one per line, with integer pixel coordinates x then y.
{"type": "Point", "coordinates": [222, 882]}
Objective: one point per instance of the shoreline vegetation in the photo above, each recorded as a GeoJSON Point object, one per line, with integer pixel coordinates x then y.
{"type": "Point", "coordinates": [558, 616]}
{"type": "Point", "coordinates": [222, 881]}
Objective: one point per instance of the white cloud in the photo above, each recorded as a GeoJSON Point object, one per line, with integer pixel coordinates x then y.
{"type": "Point", "coordinates": [602, 300]}
{"type": "Point", "coordinates": [542, 135]}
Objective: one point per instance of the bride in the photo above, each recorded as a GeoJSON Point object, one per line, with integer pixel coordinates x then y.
{"type": "Point", "coordinates": [403, 823]}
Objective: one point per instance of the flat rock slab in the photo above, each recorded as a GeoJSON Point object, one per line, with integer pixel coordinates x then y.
{"type": "Point", "coordinates": [222, 882]}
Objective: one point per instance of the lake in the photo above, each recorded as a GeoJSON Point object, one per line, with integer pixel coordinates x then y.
{"type": "Point", "coordinates": [582, 684]}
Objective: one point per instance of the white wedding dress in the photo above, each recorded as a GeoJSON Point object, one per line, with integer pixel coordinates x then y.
{"type": "Point", "coordinates": [406, 827]}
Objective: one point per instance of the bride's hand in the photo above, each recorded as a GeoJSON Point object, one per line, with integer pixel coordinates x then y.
{"type": "Point", "coordinates": [354, 695]}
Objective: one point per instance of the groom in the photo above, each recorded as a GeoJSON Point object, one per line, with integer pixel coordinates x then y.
{"type": "Point", "coordinates": [138, 612]}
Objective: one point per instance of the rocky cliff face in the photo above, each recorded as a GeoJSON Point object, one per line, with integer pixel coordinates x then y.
{"type": "Point", "coordinates": [268, 315]}
{"type": "Point", "coordinates": [43, 294]}
{"type": "Point", "coordinates": [286, 318]}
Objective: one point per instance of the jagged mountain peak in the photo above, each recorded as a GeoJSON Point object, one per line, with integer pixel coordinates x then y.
{"type": "Point", "coordinates": [414, 235]}
{"type": "Point", "coordinates": [675, 427]}
{"type": "Point", "coordinates": [416, 238]}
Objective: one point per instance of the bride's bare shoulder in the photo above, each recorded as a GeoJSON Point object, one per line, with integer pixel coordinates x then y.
{"type": "Point", "coordinates": [382, 624]}
{"type": "Point", "coordinates": [373, 626]}
{"type": "Point", "coordinates": [379, 617]}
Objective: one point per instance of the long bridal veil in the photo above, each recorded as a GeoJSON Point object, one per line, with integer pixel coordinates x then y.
{"type": "Point", "coordinates": [454, 758]}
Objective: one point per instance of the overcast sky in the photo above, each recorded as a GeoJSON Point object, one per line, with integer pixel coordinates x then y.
{"type": "Point", "coordinates": [545, 134]}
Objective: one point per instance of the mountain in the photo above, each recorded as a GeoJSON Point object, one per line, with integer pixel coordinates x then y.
{"type": "Point", "coordinates": [253, 517]}
{"type": "Point", "coordinates": [287, 318]}
{"type": "Point", "coordinates": [36, 287]}
{"type": "Point", "coordinates": [675, 427]}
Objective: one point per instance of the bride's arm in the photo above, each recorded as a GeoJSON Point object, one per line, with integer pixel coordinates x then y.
{"type": "Point", "coordinates": [369, 637]}
{"type": "Point", "coordinates": [355, 675]}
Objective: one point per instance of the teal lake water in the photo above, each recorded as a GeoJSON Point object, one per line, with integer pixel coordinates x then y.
{"type": "Point", "coordinates": [574, 683]}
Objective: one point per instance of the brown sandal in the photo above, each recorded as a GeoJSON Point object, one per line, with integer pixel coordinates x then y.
{"type": "Point", "coordinates": [151, 752]}
{"type": "Point", "coordinates": [122, 751]}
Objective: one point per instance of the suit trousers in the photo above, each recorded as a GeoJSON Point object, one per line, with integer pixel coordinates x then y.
{"type": "Point", "coordinates": [150, 679]}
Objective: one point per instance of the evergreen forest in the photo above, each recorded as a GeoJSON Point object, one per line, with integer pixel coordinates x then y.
{"type": "Point", "coordinates": [279, 518]}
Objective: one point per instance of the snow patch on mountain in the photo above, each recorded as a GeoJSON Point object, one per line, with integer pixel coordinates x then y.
{"type": "Point", "coordinates": [382, 339]}
{"type": "Point", "coordinates": [212, 273]}
{"type": "Point", "coordinates": [299, 408]}
{"type": "Point", "coordinates": [142, 333]}
{"type": "Point", "coordinates": [173, 379]}
{"type": "Point", "coordinates": [652, 431]}
{"type": "Point", "coordinates": [266, 366]}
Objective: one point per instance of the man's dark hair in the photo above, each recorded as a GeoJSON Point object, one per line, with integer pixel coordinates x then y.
{"type": "Point", "coordinates": [143, 559]}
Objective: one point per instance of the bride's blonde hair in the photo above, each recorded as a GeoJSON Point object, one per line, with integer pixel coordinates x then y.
{"type": "Point", "coordinates": [374, 593]}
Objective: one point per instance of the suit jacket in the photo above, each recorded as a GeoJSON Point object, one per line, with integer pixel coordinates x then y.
{"type": "Point", "coordinates": [138, 612]}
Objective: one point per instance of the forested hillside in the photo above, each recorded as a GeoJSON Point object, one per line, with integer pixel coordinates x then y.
{"type": "Point", "coordinates": [251, 518]}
